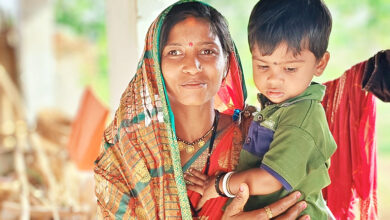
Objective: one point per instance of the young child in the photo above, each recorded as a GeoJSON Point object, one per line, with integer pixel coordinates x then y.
{"type": "Point", "coordinates": [289, 143]}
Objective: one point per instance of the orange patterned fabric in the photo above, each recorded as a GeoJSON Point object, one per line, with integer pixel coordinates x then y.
{"type": "Point", "coordinates": [138, 172]}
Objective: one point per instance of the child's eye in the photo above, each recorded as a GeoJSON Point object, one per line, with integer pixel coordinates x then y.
{"type": "Point", "coordinates": [290, 69]}
{"type": "Point", "coordinates": [174, 52]}
{"type": "Point", "coordinates": [262, 67]}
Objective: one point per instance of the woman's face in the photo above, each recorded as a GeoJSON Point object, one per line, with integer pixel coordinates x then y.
{"type": "Point", "coordinates": [192, 62]}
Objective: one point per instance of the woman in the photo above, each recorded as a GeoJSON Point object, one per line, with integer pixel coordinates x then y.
{"type": "Point", "coordinates": [178, 112]}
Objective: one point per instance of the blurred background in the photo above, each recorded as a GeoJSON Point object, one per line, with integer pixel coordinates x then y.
{"type": "Point", "coordinates": [60, 60]}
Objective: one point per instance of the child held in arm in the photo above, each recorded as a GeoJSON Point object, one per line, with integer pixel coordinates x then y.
{"type": "Point", "coordinates": [289, 144]}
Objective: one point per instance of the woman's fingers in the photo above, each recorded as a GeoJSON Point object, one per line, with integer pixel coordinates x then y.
{"type": "Point", "coordinates": [285, 203]}
{"type": "Point", "coordinates": [279, 210]}
{"type": "Point", "coordinates": [238, 203]}
{"type": "Point", "coordinates": [295, 211]}
{"type": "Point", "coordinates": [198, 174]}
{"type": "Point", "coordinates": [194, 180]}
{"type": "Point", "coordinates": [304, 217]}
{"type": "Point", "coordinates": [283, 209]}
{"type": "Point", "coordinates": [195, 188]}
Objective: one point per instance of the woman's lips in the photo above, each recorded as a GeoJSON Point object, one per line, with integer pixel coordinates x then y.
{"type": "Point", "coordinates": [194, 84]}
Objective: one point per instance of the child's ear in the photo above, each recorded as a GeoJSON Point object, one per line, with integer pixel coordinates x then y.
{"type": "Point", "coordinates": [321, 64]}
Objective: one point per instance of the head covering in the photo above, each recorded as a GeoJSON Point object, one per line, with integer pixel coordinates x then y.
{"type": "Point", "coordinates": [138, 172]}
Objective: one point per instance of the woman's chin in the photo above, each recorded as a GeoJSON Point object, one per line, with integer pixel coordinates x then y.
{"type": "Point", "coordinates": [193, 101]}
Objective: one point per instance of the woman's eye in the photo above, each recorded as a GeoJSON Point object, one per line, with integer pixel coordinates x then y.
{"type": "Point", "coordinates": [207, 52]}
{"type": "Point", "coordinates": [174, 53]}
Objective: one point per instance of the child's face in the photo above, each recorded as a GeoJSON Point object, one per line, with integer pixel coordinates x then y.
{"type": "Point", "coordinates": [281, 76]}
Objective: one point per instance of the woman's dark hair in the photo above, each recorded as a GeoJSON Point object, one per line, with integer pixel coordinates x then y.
{"type": "Point", "coordinates": [180, 12]}
{"type": "Point", "coordinates": [299, 23]}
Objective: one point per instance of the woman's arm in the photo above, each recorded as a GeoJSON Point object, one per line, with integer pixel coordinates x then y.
{"type": "Point", "coordinates": [284, 209]}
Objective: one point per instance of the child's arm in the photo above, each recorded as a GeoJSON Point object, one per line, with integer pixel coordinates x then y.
{"type": "Point", "coordinates": [259, 181]}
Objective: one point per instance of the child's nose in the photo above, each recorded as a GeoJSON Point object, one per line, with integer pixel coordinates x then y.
{"type": "Point", "coordinates": [273, 77]}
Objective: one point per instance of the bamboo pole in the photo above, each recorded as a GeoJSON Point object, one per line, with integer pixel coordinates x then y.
{"type": "Point", "coordinates": [11, 91]}
{"type": "Point", "coordinates": [20, 167]}
{"type": "Point", "coordinates": [21, 133]}
{"type": "Point", "coordinates": [48, 174]}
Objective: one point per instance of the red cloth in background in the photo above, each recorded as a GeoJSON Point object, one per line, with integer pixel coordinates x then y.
{"type": "Point", "coordinates": [351, 115]}
{"type": "Point", "coordinates": [87, 131]}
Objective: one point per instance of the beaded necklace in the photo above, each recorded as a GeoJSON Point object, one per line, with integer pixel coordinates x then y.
{"type": "Point", "coordinates": [190, 147]}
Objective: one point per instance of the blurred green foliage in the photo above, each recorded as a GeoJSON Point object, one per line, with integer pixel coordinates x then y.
{"type": "Point", "coordinates": [87, 18]}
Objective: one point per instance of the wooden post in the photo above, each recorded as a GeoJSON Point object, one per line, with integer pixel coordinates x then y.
{"type": "Point", "coordinates": [36, 59]}
{"type": "Point", "coordinates": [122, 46]}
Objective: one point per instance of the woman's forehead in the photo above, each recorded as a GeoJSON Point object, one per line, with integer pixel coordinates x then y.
{"type": "Point", "coordinates": [192, 30]}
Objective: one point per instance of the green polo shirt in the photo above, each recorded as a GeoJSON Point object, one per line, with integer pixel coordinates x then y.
{"type": "Point", "coordinates": [292, 141]}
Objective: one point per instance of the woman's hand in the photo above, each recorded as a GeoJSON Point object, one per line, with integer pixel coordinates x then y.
{"type": "Point", "coordinates": [195, 180]}
{"type": "Point", "coordinates": [284, 209]}
{"type": "Point", "coordinates": [209, 192]}
{"type": "Point", "coordinates": [201, 184]}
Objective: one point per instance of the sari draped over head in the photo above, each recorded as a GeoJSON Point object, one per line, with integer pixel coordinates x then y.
{"type": "Point", "coordinates": [351, 114]}
{"type": "Point", "coordinates": [138, 172]}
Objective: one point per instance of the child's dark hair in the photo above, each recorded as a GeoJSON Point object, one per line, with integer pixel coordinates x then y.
{"type": "Point", "coordinates": [180, 12]}
{"type": "Point", "coordinates": [299, 23]}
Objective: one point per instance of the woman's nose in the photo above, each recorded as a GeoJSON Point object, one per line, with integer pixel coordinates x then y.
{"type": "Point", "coordinates": [191, 65]}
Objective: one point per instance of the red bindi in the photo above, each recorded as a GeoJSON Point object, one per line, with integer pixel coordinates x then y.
{"type": "Point", "coordinates": [191, 44]}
